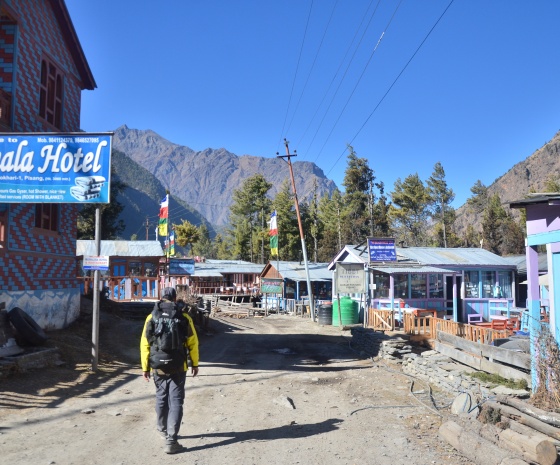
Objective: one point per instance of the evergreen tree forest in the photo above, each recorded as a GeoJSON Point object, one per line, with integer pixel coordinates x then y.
{"type": "Point", "coordinates": [415, 213]}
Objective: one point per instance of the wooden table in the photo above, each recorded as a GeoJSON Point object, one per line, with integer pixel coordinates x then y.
{"type": "Point", "coordinates": [498, 317]}
{"type": "Point", "coordinates": [424, 312]}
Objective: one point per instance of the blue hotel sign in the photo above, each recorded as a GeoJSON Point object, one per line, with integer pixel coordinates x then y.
{"type": "Point", "coordinates": [382, 249]}
{"type": "Point", "coordinates": [55, 168]}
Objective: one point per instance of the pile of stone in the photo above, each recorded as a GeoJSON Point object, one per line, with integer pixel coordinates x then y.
{"type": "Point", "coordinates": [429, 365]}
{"type": "Point", "coordinates": [373, 344]}
{"type": "Point", "coordinates": [445, 373]}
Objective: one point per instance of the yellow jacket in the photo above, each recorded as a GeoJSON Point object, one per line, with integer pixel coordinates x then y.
{"type": "Point", "coordinates": [191, 343]}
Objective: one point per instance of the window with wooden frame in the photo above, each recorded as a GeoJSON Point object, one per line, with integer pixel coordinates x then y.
{"type": "Point", "coordinates": [3, 227]}
{"type": "Point", "coordinates": [46, 216]}
{"type": "Point", "coordinates": [51, 93]}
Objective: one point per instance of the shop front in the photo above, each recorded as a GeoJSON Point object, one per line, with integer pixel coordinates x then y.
{"type": "Point", "coordinates": [453, 282]}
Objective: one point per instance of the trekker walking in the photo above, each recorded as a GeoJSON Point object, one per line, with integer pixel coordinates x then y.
{"type": "Point", "coordinates": [168, 340]}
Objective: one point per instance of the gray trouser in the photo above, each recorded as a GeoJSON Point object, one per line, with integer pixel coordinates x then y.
{"type": "Point", "coordinates": [170, 394]}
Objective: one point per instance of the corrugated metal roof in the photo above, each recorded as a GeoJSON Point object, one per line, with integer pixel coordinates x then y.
{"type": "Point", "coordinates": [295, 271]}
{"type": "Point", "coordinates": [120, 248]}
{"type": "Point", "coordinates": [520, 261]}
{"type": "Point", "coordinates": [203, 273]}
{"type": "Point", "coordinates": [411, 269]}
{"type": "Point", "coordinates": [550, 198]}
{"type": "Point", "coordinates": [229, 266]}
{"type": "Point", "coordinates": [426, 256]}
{"type": "Point", "coordinates": [458, 257]}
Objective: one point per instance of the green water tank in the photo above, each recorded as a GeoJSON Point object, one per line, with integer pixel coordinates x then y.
{"type": "Point", "coordinates": [349, 311]}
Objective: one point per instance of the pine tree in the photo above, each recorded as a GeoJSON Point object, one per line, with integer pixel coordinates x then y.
{"type": "Point", "coordinates": [248, 216]}
{"type": "Point", "coordinates": [479, 200]}
{"type": "Point", "coordinates": [441, 198]}
{"type": "Point", "coordinates": [289, 241]}
{"type": "Point", "coordinates": [330, 216]}
{"type": "Point", "coordinates": [358, 199]}
{"type": "Point", "coordinates": [204, 246]}
{"type": "Point", "coordinates": [410, 210]}
{"type": "Point", "coordinates": [186, 233]}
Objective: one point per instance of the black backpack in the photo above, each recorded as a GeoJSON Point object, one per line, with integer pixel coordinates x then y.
{"type": "Point", "coordinates": [167, 332]}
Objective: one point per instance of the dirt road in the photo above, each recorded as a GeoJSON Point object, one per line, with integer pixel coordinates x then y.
{"type": "Point", "coordinates": [275, 390]}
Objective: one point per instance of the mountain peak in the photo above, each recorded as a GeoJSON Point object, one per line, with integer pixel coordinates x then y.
{"type": "Point", "coordinates": [207, 179]}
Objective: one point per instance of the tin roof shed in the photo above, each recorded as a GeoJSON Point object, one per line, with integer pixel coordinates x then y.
{"type": "Point", "coordinates": [120, 248]}
{"type": "Point", "coordinates": [295, 271]}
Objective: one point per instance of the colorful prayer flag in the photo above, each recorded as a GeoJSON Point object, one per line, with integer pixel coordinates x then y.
{"type": "Point", "coordinates": [164, 207]}
{"type": "Point", "coordinates": [273, 233]}
{"type": "Point", "coordinates": [172, 244]}
{"type": "Point", "coordinates": [163, 214]}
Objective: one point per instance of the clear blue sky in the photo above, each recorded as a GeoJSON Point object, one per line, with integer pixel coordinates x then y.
{"type": "Point", "coordinates": [479, 93]}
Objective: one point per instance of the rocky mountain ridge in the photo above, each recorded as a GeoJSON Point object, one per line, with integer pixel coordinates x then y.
{"type": "Point", "coordinates": [207, 179]}
{"type": "Point", "coordinates": [528, 175]}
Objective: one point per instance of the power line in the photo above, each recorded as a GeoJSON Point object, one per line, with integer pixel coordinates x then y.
{"type": "Point", "coordinates": [312, 66]}
{"type": "Point", "coordinates": [360, 78]}
{"type": "Point", "coordinates": [296, 73]}
{"type": "Point", "coordinates": [343, 76]}
{"type": "Point", "coordinates": [393, 83]}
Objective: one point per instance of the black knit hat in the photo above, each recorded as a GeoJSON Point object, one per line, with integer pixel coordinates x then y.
{"type": "Point", "coordinates": [168, 293]}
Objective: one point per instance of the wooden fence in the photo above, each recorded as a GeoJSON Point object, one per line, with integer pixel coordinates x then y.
{"type": "Point", "coordinates": [426, 327]}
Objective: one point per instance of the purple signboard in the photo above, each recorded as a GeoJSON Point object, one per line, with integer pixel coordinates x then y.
{"type": "Point", "coordinates": [382, 249]}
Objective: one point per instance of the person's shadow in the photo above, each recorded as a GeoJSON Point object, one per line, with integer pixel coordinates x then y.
{"type": "Point", "coordinates": [282, 432]}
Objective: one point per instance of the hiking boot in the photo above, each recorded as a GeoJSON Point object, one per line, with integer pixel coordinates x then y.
{"type": "Point", "coordinates": [173, 448]}
{"type": "Point", "coordinates": [163, 434]}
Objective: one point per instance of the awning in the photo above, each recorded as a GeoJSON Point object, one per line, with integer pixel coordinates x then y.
{"type": "Point", "coordinates": [543, 280]}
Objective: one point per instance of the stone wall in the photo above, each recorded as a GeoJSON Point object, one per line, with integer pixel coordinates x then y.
{"type": "Point", "coordinates": [438, 370]}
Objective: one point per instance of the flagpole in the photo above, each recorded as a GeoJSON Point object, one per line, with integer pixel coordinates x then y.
{"type": "Point", "coordinates": [309, 289]}
{"type": "Point", "coordinates": [168, 244]}
{"type": "Point", "coordinates": [274, 240]}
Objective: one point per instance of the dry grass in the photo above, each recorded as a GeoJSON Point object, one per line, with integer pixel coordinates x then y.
{"type": "Point", "coordinates": [547, 394]}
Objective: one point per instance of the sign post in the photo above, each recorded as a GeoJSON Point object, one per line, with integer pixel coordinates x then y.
{"type": "Point", "coordinates": [349, 278]}
{"type": "Point", "coordinates": [59, 168]}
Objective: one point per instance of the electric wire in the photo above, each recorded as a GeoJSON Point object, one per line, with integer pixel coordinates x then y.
{"type": "Point", "coordinates": [344, 75]}
{"type": "Point", "coordinates": [312, 67]}
{"type": "Point", "coordinates": [393, 83]}
{"type": "Point", "coordinates": [295, 74]}
{"type": "Point", "coordinates": [359, 79]}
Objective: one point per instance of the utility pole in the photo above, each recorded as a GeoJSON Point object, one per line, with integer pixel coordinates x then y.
{"type": "Point", "coordinates": [262, 236]}
{"type": "Point", "coordinates": [443, 222]}
{"type": "Point", "coordinates": [309, 289]}
{"type": "Point", "coordinates": [147, 226]}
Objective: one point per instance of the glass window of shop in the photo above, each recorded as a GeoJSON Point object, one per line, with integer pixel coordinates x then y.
{"type": "Point", "coordinates": [134, 268]}
{"type": "Point", "coordinates": [488, 283]}
{"type": "Point", "coordinates": [401, 286]}
{"type": "Point", "coordinates": [150, 269]}
{"type": "Point", "coordinates": [503, 290]}
{"type": "Point", "coordinates": [471, 284]}
{"type": "Point", "coordinates": [381, 281]}
{"type": "Point", "coordinates": [418, 286]}
{"type": "Point", "coordinates": [436, 286]}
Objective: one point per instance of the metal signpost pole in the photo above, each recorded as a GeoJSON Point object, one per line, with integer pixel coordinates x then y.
{"type": "Point", "coordinates": [95, 324]}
